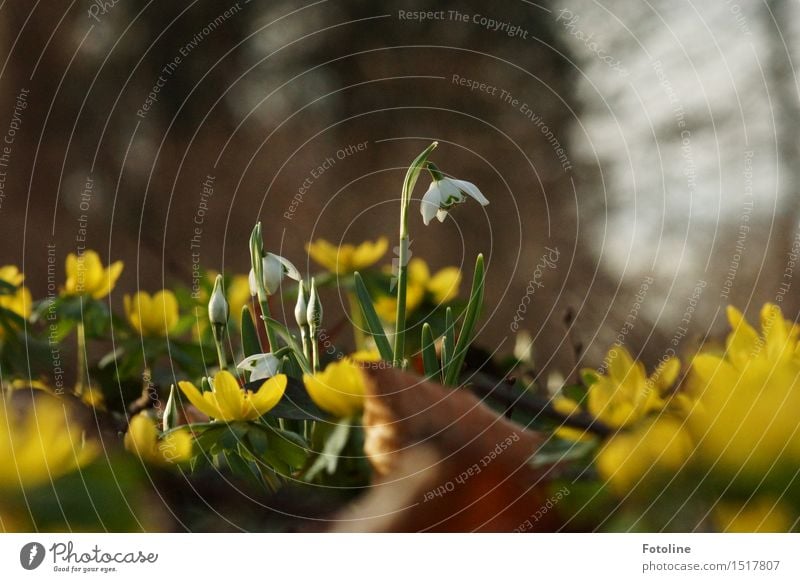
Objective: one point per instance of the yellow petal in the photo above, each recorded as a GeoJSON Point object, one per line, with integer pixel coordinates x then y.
{"type": "Point", "coordinates": [324, 253]}
{"type": "Point", "coordinates": [711, 370]}
{"type": "Point", "coordinates": [165, 306]}
{"type": "Point", "coordinates": [268, 395]}
{"type": "Point", "coordinates": [12, 275]}
{"type": "Point", "coordinates": [620, 363]}
{"type": "Point", "coordinates": [91, 270]}
{"type": "Point", "coordinates": [760, 515]}
{"type": "Point", "coordinates": [339, 389]}
{"type": "Point", "coordinates": [175, 447]}
{"type": "Point", "coordinates": [665, 375]}
{"type": "Point", "coordinates": [196, 398]}
{"type": "Point", "coordinates": [418, 273]}
{"type": "Point", "coordinates": [229, 396]}
{"type": "Point", "coordinates": [108, 279]}
{"type": "Point", "coordinates": [368, 253]}
{"type": "Point", "coordinates": [142, 436]}
{"type": "Point", "coordinates": [444, 285]}
{"type": "Point", "coordinates": [743, 341]}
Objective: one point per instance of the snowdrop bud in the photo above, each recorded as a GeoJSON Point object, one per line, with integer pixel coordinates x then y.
{"type": "Point", "coordinates": [314, 309]}
{"type": "Point", "coordinates": [170, 419]}
{"type": "Point", "coordinates": [218, 310]}
{"type": "Point", "coordinates": [256, 256]}
{"type": "Point", "coordinates": [301, 307]}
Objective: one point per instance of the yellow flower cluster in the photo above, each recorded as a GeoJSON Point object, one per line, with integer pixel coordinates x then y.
{"type": "Point", "coordinates": [736, 415]}
{"type": "Point", "coordinates": [749, 397]}
{"type": "Point", "coordinates": [442, 287]}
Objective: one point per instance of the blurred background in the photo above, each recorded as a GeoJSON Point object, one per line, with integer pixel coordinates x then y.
{"type": "Point", "coordinates": [653, 146]}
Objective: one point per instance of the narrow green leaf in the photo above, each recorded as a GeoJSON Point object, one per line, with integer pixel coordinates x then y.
{"type": "Point", "coordinates": [289, 447]}
{"type": "Point", "coordinates": [291, 340]}
{"type": "Point", "coordinates": [470, 320]}
{"type": "Point", "coordinates": [372, 320]}
{"type": "Point", "coordinates": [429, 359]}
{"type": "Point", "coordinates": [447, 356]}
{"type": "Point", "coordinates": [251, 344]}
{"type": "Point", "coordinates": [450, 337]}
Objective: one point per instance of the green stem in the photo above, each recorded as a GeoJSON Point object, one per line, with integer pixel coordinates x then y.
{"type": "Point", "coordinates": [304, 337]}
{"type": "Point", "coordinates": [265, 313]}
{"type": "Point", "coordinates": [402, 284]}
{"type": "Point", "coordinates": [219, 335]}
{"type": "Point", "coordinates": [409, 182]}
{"type": "Point", "coordinates": [314, 349]}
{"type": "Point", "coordinates": [80, 385]}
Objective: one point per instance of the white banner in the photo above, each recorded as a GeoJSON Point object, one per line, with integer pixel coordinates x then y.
{"type": "Point", "coordinates": [356, 557]}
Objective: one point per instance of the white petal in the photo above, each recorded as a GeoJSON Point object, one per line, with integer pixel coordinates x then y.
{"type": "Point", "coordinates": [289, 269]}
{"type": "Point", "coordinates": [430, 203]}
{"type": "Point", "coordinates": [260, 366]}
{"type": "Point", "coordinates": [441, 215]}
{"type": "Point", "coordinates": [272, 273]}
{"type": "Point", "coordinates": [472, 190]}
{"type": "Point", "coordinates": [252, 280]}
{"type": "Point", "coordinates": [450, 192]}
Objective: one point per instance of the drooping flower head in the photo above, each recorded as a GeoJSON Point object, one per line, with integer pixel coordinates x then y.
{"type": "Point", "coordinates": [443, 194]}
{"type": "Point", "coordinates": [273, 269]}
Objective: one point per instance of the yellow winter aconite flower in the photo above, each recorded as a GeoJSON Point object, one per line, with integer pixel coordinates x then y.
{"type": "Point", "coordinates": [227, 401]}
{"type": "Point", "coordinates": [339, 389]}
{"type": "Point", "coordinates": [11, 275]}
{"type": "Point", "coordinates": [20, 301]}
{"type": "Point", "coordinates": [86, 275]}
{"type": "Point", "coordinates": [142, 439]}
{"type": "Point", "coordinates": [347, 258]}
{"type": "Point", "coordinates": [748, 397]}
{"type": "Point", "coordinates": [40, 444]}
{"type": "Point", "coordinates": [654, 447]}
{"type": "Point", "coordinates": [152, 316]}
{"type": "Point", "coordinates": [758, 515]}
{"type": "Point", "coordinates": [442, 287]}
{"type": "Point", "coordinates": [626, 394]}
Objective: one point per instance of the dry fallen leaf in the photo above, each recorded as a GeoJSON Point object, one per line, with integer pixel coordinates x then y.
{"type": "Point", "coordinates": [446, 462]}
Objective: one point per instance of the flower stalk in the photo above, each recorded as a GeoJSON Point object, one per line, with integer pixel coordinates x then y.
{"type": "Point", "coordinates": [314, 317]}
{"type": "Point", "coordinates": [403, 248]}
